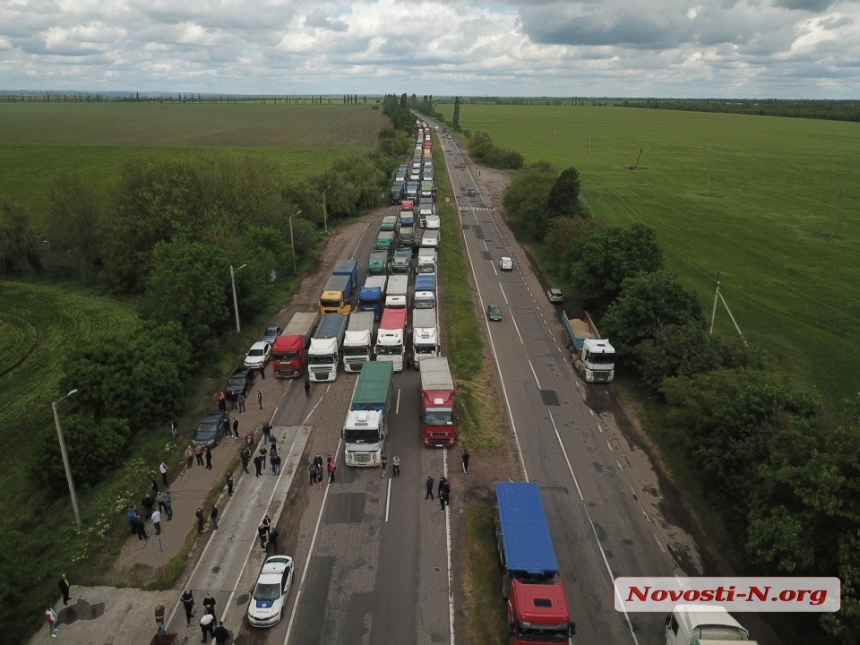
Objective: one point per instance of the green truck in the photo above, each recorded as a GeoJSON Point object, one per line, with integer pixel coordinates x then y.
{"type": "Point", "coordinates": [366, 423]}
{"type": "Point", "coordinates": [376, 262]}
{"type": "Point", "coordinates": [385, 242]}
{"type": "Point", "coordinates": [389, 223]}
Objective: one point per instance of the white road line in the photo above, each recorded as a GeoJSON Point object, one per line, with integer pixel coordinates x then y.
{"type": "Point", "coordinates": [620, 467]}
{"type": "Point", "coordinates": [448, 554]}
{"type": "Point", "coordinates": [504, 295]}
{"type": "Point", "coordinates": [397, 407]}
{"type": "Point", "coordinates": [388, 500]}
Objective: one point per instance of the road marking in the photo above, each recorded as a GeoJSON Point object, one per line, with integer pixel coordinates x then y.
{"type": "Point", "coordinates": [448, 554]}
{"type": "Point", "coordinates": [388, 500]}
{"type": "Point", "coordinates": [397, 407]}
{"type": "Point", "coordinates": [620, 467]}
{"type": "Point", "coordinates": [659, 543]}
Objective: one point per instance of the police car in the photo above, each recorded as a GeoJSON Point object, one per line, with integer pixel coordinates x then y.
{"type": "Point", "coordinates": [271, 591]}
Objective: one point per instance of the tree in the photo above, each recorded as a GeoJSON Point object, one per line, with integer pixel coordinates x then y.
{"type": "Point", "coordinates": [72, 222]}
{"type": "Point", "coordinates": [455, 118]}
{"type": "Point", "coordinates": [608, 257]}
{"type": "Point", "coordinates": [676, 350]}
{"type": "Point", "coordinates": [525, 201]}
{"type": "Point", "coordinates": [564, 196]}
{"type": "Point", "coordinates": [561, 235]}
{"type": "Point", "coordinates": [18, 245]}
{"type": "Point", "coordinates": [649, 303]}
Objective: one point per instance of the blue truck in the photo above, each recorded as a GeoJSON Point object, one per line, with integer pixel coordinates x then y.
{"type": "Point", "coordinates": [531, 571]}
{"type": "Point", "coordinates": [371, 297]}
{"type": "Point", "coordinates": [425, 282]}
{"type": "Point", "coordinates": [338, 290]}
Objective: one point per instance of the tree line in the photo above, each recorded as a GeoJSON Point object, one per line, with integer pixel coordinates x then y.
{"type": "Point", "coordinates": [781, 470]}
{"type": "Point", "coordinates": [800, 109]}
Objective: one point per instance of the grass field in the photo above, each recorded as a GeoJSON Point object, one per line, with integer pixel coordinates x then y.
{"type": "Point", "coordinates": [39, 141]}
{"type": "Point", "coordinates": [748, 200]}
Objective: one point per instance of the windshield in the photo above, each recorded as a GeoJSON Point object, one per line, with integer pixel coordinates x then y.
{"type": "Point", "coordinates": [236, 381]}
{"type": "Point", "coordinates": [267, 591]}
{"type": "Point", "coordinates": [325, 359]}
{"type": "Point", "coordinates": [427, 303]}
{"type": "Point", "coordinates": [285, 356]}
{"type": "Point", "coordinates": [355, 351]}
{"type": "Point", "coordinates": [425, 349]}
{"type": "Point", "coordinates": [391, 350]}
{"type": "Point", "coordinates": [600, 359]}
{"type": "Point", "coordinates": [256, 352]}
{"type": "Point", "coordinates": [361, 436]}
{"type": "Point", "coordinates": [544, 633]}
{"type": "Point", "coordinates": [439, 417]}
{"type": "Point", "coordinates": [335, 304]}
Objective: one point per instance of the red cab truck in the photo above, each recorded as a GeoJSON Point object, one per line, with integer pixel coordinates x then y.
{"type": "Point", "coordinates": [290, 349]}
{"type": "Point", "coordinates": [438, 415]}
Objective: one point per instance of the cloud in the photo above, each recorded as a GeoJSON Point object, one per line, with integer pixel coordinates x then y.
{"type": "Point", "coordinates": [319, 19]}
{"type": "Point", "coordinates": [805, 5]}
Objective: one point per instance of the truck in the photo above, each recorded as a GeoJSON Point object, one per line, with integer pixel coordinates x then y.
{"type": "Point", "coordinates": [336, 295]}
{"type": "Point", "coordinates": [401, 262]}
{"type": "Point", "coordinates": [424, 211]}
{"type": "Point", "coordinates": [406, 237]}
{"type": "Point", "coordinates": [592, 356]}
{"type": "Point", "coordinates": [531, 584]}
{"type": "Point", "coordinates": [376, 262]}
{"type": "Point", "coordinates": [427, 189]}
{"type": "Point", "coordinates": [425, 336]}
{"type": "Point", "coordinates": [371, 297]}
{"type": "Point", "coordinates": [425, 282]}
{"type": "Point", "coordinates": [406, 218]}
{"type": "Point", "coordinates": [398, 287]}
{"type": "Point", "coordinates": [438, 416]}
{"type": "Point", "coordinates": [358, 341]}
{"type": "Point", "coordinates": [431, 238]}
{"type": "Point", "coordinates": [389, 223]}
{"type": "Point", "coordinates": [704, 625]}
{"type": "Point", "coordinates": [385, 242]}
{"type": "Point", "coordinates": [426, 261]}
{"type": "Point", "coordinates": [424, 300]}
{"type": "Point", "coordinates": [324, 352]}
{"type": "Point", "coordinates": [398, 189]}
{"type": "Point", "coordinates": [366, 424]}
{"type": "Point", "coordinates": [412, 190]}
{"type": "Point", "coordinates": [390, 344]}
{"type": "Point", "coordinates": [289, 351]}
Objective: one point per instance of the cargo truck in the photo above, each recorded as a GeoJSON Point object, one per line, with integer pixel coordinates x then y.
{"type": "Point", "coordinates": [431, 238]}
{"type": "Point", "coordinates": [390, 344]}
{"type": "Point", "coordinates": [438, 415]}
{"type": "Point", "coordinates": [366, 424]}
{"type": "Point", "coordinates": [427, 189]}
{"type": "Point", "coordinates": [398, 287]}
{"type": "Point", "coordinates": [536, 599]}
{"type": "Point", "coordinates": [324, 352]}
{"type": "Point", "coordinates": [398, 189]}
{"type": "Point", "coordinates": [426, 261]}
{"type": "Point", "coordinates": [376, 263]}
{"type": "Point", "coordinates": [406, 238]}
{"type": "Point", "coordinates": [385, 242]}
{"type": "Point", "coordinates": [592, 356]}
{"type": "Point", "coordinates": [425, 282]}
{"type": "Point", "coordinates": [389, 223]}
{"type": "Point", "coordinates": [289, 351]}
{"type": "Point", "coordinates": [336, 295]}
{"type": "Point", "coordinates": [371, 297]}
{"type": "Point", "coordinates": [704, 625]}
{"type": "Point", "coordinates": [358, 341]}
{"type": "Point", "coordinates": [424, 300]}
{"type": "Point", "coordinates": [425, 336]}
{"type": "Point", "coordinates": [401, 262]}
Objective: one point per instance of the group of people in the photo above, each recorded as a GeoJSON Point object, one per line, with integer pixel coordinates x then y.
{"type": "Point", "coordinates": [209, 623]}
{"type": "Point", "coordinates": [268, 535]}
{"type": "Point", "coordinates": [443, 492]}
{"type": "Point", "coordinates": [316, 470]}
{"type": "Point", "coordinates": [51, 616]}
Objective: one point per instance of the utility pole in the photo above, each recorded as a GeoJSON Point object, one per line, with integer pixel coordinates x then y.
{"type": "Point", "coordinates": [325, 214]}
{"type": "Point", "coordinates": [65, 455]}
{"type": "Point", "coordinates": [729, 311]}
{"type": "Point", "coordinates": [235, 300]}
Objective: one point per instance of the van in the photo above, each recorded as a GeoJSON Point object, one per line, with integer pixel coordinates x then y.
{"type": "Point", "coordinates": [694, 624]}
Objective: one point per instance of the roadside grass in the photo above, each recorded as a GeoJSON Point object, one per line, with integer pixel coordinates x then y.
{"type": "Point", "coordinates": [748, 200]}
{"type": "Point", "coordinates": [484, 613]}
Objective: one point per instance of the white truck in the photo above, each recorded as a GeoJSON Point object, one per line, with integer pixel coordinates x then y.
{"type": "Point", "coordinates": [398, 287]}
{"type": "Point", "coordinates": [358, 342]}
{"type": "Point", "coordinates": [431, 238]}
{"type": "Point", "coordinates": [324, 352]}
{"type": "Point", "coordinates": [704, 625]}
{"type": "Point", "coordinates": [424, 300]}
{"type": "Point", "coordinates": [425, 335]}
{"type": "Point", "coordinates": [426, 261]}
{"type": "Point", "coordinates": [432, 222]}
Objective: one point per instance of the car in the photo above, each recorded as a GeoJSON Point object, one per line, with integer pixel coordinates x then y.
{"type": "Point", "coordinates": [271, 590]}
{"type": "Point", "coordinates": [472, 192]}
{"type": "Point", "coordinates": [258, 355]}
{"type": "Point", "coordinates": [554, 295]}
{"type": "Point", "coordinates": [506, 263]}
{"type": "Point", "coordinates": [239, 383]}
{"type": "Point", "coordinates": [270, 335]}
{"type": "Point", "coordinates": [209, 432]}
{"type": "Point", "coordinates": [494, 312]}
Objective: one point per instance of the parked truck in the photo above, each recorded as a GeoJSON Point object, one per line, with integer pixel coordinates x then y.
{"type": "Point", "coordinates": [401, 261]}
{"type": "Point", "coordinates": [438, 414]}
{"type": "Point", "coordinates": [425, 336]}
{"type": "Point", "coordinates": [371, 297]}
{"type": "Point", "coordinates": [704, 625]}
{"type": "Point", "coordinates": [390, 344]}
{"type": "Point", "coordinates": [398, 287]}
{"type": "Point", "coordinates": [431, 238]}
{"type": "Point", "coordinates": [366, 424]}
{"type": "Point", "coordinates": [289, 351]}
{"type": "Point", "coordinates": [592, 356]}
{"type": "Point", "coordinates": [358, 341]}
{"type": "Point", "coordinates": [324, 352]}
{"type": "Point", "coordinates": [536, 599]}
{"type": "Point", "coordinates": [336, 295]}
{"type": "Point", "coordinates": [424, 300]}
{"type": "Point", "coordinates": [425, 282]}
{"type": "Point", "coordinates": [376, 262]}
{"type": "Point", "coordinates": [426, 261]}
{"type": "Point", "coordinates": [389, 223]}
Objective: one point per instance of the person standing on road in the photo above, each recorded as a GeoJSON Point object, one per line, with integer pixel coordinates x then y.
{"type": "Point", "coordinates": [230, 484]}
{"type": "Point", "coordinates": [163, 470]}
{"type": "Point", "coordinates": [235, 428]}
{"type": "Point", "coordinates": [221, 635]}
{"type": "Point", "coordinates": [465, 461]}
{"type": "Point", "coordinates": [263, 371]}
{"type": "Point", "coordinates": [249, 441]}
{"type": "Point", "coordinates": [199, 515]}
{"type": "Point", "coordinates": [153, 484]}
{"type": "Point", "coordinates": [141, 528]}
{"type": "Point", "coordinates": [428, 486]}
{"type": "Point", "coordinates": [443, 497]}
{"type": "Point", "coordinates": [189, 457]}
{"type": "Point", "coordinates": [209, 605]}
{"type": "Point", "coordinates": [276, 464]}
{"type": "Point", "coordinates": [273, 541]}
{"type": "Point", "coordinates": [332, 468]}
{"type": "Point", "coordinates": [240, 401]}
{"type": "Point", "coordinates": [246, 458]}
{"type": "Point", "coordinates": [160, 500]}
{"type": "Point", "coordinates": [214, 517]}
{"type": "Point", "coordinates": [258, 465]}
{"type": "Point", "coordinates": [312, 473]}
{"type": "Point", "coordinates": [206, 622]}
{"type": "Point", "coordinates": [159, 619]}
{"type": "Point", "coordinates": [198, 454]}
{"type": "Point", "coordinates": [156, 521]}
{"type": "Point", "coordinates": [168, 506]}
{"type": "Point", "coordinates": [263, 532]}
{"type": "Point", "coordinates": [274, 439]}
{"type": "Point", "coordinates": [187, 600]}
{"type": "Point", "coordinates": [65, 589]}
{"type": "Point", "coordinates": [208, 458]}
{"type": "Point", "coordinates": [148, 504]}
{"type": "Point", "coordinates": [260, 398]}
{"type": "Point", "coordinates": [307, 387]}
{"type": "Point", "coordinates": [263, 453]}
{"type": "Point", "coordinates": [442, 481]}
{"type": "Point", "coordinates": [395, 466]}
{"type": "Point", "coordinates": [51, 618]}
{"type": "Point", "coordinates": [384, 465]}
{"type": "Point", "coordinates": [267, 433]}
{"type": "Point", "coordinates": [222, 401]}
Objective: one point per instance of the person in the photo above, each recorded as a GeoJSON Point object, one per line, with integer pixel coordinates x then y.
{"type": "Point", "coordinates": [214, 517]}
{"type": "Point", "coordinates": [159, 619]}
{"type": "Point", "coordinates": [208, 458]}
{"type": "Point", "coordinates": [235, 428]}
{"type": "Point", "coordinates": [240, 401]}
{"type": "Point", "coordinates": [141, 528]}
{"type": "Point", "coordinates": [274, 441]}
{"type": "Point", "coordinates": [153, 484]}
{"type": "Point", "coordinates": [318, 461]}
{"type": "Point", "coordinates": [230, 484]}
{"type": "Point", "coordinates": [442, 480]}
{"type": "Point", "coordinates": [206, 621]}
{"type": "Point", "coordinates": [199, 515]}
{"type": "Point", "coordinates": [163, 470]}
{"type": "Point", "coordinates": [443, 497]}
{"type": "Point", "coordinates": [209, 605]}
{"type": "Point", "coordinates": [267, 433]}
{"type": "Point", "coordinates": [428, 485]}
{"type": "Point", "coordinates": [446, 491]}
{"type": "Point", "coordinates": [51, 618]}
{"type": "Point", "coordinates": [187, 600]}
{"type": "Point", "coordinates": [332, 467]}
{"type": "Point", "coordinates": [174, 429]}
{"type": "Point", "coordinates": [267, 522]}
{"type": "Point", "coordinates": [395, 466]}
{"type": "Point", "coordinates": [198, 453]}
{"type": "Point", "coordinates": [189, 457]}
{"type": "Point", "coordinates": [263, 454]}
{"type": "Point", "coordinates": [263, 371]}
{"type": "Point", "coordinates": [156, 521]}
{"type": "Point", "coordinates": [65, 589]}
{"type": "Point", "coordinates": [246, 458]}
{"type": "Point", "coordinates": [148, 505]}
{"type": "Point", "coordinates": [258, 465]}
{"type": "Point", "coordinates": [273, 541]}
{"type": "Point", "coordinates": [276, 464]}
{"type": "Point", "coordinates": [221, 635]}
{"type": "Point", "coordinates": [307, 387]}
{"type": "Point", "coordinates": [260, 398]}
{"type": "Point", "coordinates": [249, 440]}
{"type": "Point", "coordinates": [465, 461]}
{"type": "Point", "coordinates": [222, 401]}
{"type": "Point", "coordinates": [168, 505]}
{"type": "Point", "coordinates": [384, 465]}
{"type": "Point", "coordinates": [312, 473]}
{"type": "Point", "coordinates": [263, 532]}
{"type": "Point", "coordinates": [160, 501]}
{"type": "Point", "coordinates": [131, 516]}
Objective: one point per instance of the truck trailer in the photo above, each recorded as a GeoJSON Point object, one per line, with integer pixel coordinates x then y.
{"type": "Point", "coordinates": [592, 356]}
{"type": "Point", "coordinates": [358, 341]}
{"type": "Point", "coordinates": [536, 598]}
{"type": "Point", "coordinates": [398, 286]}
{"type": "Point", "coordinates": [425, 336]}
{"type": "Point", "coordinates": [289, 351]}
{"type": "Point", "coordinates": [438, 415]}
{"type": "Point", "coordinates": [366, 424]}
{"type": "Point", "coordinates": [390, 344]}
{"type": "Point", "coordinates": [324, 352]}
{"type": "Point", "coordinates": [704, 625]}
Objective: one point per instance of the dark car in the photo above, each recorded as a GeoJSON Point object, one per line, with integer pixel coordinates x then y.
{"type": "Point", "coordinates": [494, 312]}
{"type": "Point", "coordinates": [209, 432]}
{"type": "Point", "coordinates": [240, 383]}
{"type": "Point", "coordinates": [270, 335]}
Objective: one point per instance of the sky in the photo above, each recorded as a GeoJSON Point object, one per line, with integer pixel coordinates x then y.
{"type": "Point", "coordinates": [622, 48]}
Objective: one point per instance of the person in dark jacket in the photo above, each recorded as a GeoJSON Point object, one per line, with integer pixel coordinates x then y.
{"type": "Point", "coordinates": [221, 635]}
{"type": "Point", "coordinates": [187, 600]}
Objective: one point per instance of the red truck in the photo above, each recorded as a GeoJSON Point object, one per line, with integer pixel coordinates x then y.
{"type": "Point", "coordinates": [290, 350]}
{"type": "Point", "coordinates": [438, 416]}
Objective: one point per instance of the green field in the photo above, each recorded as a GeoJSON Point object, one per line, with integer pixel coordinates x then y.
{"type": "Point", "coordinates": [39, 141]}
{"type": "Point", "coordinates": [749, 200]}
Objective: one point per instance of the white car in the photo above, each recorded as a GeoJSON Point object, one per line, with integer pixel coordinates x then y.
{"type": "Point", "coordinates": [506, 263]}
{"type": "Point", "coordinates": [258, 355]}
{"type": "Point", "coordinates": [271, 591]}
{"type": "Point", "coordinates": [554, 295]}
